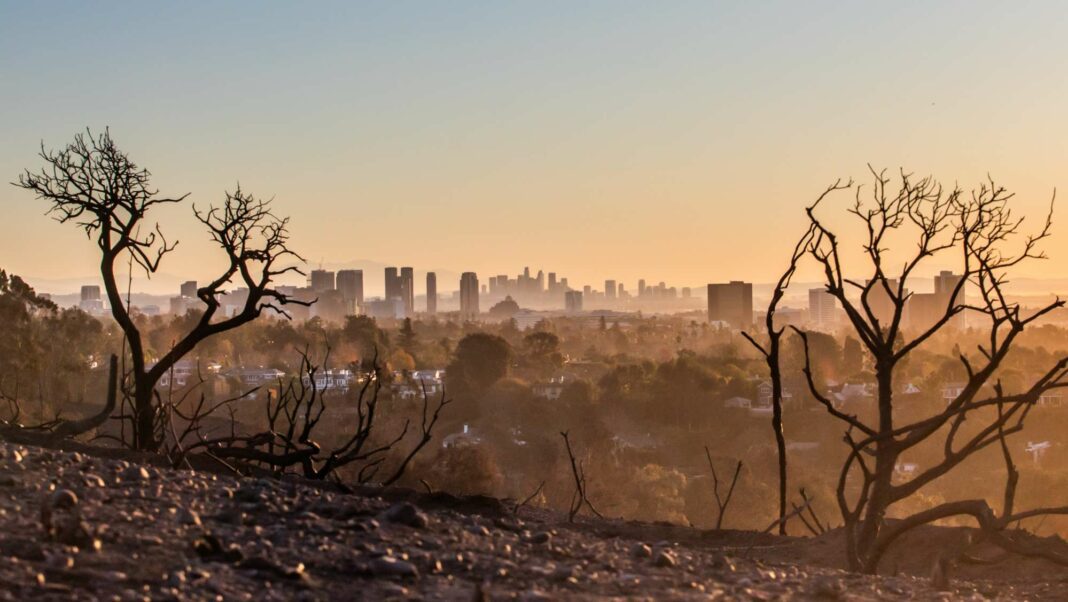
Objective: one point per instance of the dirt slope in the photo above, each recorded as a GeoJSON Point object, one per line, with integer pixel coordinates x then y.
{"type": "Point", "coordinates": [88, 525]}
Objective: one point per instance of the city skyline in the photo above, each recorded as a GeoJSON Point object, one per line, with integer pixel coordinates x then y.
{"type": "Point", "coordinates": [682, 131]}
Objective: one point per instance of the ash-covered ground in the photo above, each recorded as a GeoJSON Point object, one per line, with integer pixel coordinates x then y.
{"type": "Point", "coordinates": [93, 526]}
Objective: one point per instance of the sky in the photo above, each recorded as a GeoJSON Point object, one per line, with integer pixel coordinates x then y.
{"type": "Point", "coordinates": [674, 141]}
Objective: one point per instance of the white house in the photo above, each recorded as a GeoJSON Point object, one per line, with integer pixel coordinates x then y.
{"type": "Point", "coordinates": [550, 390]}
{"type": "Point", "coordinates": [738, 402]}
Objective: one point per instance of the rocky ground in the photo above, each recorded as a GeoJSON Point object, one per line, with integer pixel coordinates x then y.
{"type": "Point", "coordinates": [81, 525]}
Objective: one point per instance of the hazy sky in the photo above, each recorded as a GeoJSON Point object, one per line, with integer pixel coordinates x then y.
{"type": "Point", "coordinates": [673, 141]}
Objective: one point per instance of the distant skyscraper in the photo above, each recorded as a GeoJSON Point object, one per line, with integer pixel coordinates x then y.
{"type": "Point", "coordinates": [91, 302]}
{"type": "Point", "coordinates": [91, 292]}
{"type": "Point", "coordinates": [641, 288]}
{"type": "Point", "coordinates": [821, 307]}
{"type": "Point", "coordinates": [469, 296]}
{"type": "Point", "coordinates": [350, 285]}
{"type": "Point", "coordinates": [431, 293]}
{"type": "Point", "coordinates": [393, 286]}
{"type": "Point", "coordinates": [189, 289]}
{"type": "Point", "coordinates": [731, 303]}
{"type": "Point", "coordinates": [686, 292]}
{"type": "Point", "coordinates": [945, 283]}
{"type": "Point", "coordinates": [552, 282]}
{"type": "Point", "coordinates": [882, 305]}
{"type": "Point", "coordinates": [322, 281]}
{"type": "Point", "coordinates": [586, 290]}
{"type": "Point", "coordinates": [407, 283]}
{"type": "Point", "coordinates": [573, 301]}
{"type": "Point", "coordinates": [924, 310]}
{"type": "Point", "coordinates": [609, 289]}
{"type": "Point", "coordinates": [179, 305]}
{"type": "Point", "coordinates": [621, 292]}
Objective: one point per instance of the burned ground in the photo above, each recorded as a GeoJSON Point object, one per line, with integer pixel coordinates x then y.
{"type": "Point", "coordinates": [88, 524]}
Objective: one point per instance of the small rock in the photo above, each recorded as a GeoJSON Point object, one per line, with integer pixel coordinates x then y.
{"type": "Point", "coordinates": [828, 587]}
{"type": "Point", "coordinates": [541, 537]}
{"type": "Point", "coordinates": [135, 473]}
{"type": "Point", "coordinates": [407, 514]}
{"type": "Point", "coordinates": [563, 572]}
{"type": "Point", "coordinates": [641, 550]}
{"type": "Point", "coordinates": [209, 547]}
{"type": "Point", "coordinates": [665, 559]}
{"type": "Point", "coordinates": [393, 567]}
{"type": "Point", "coordinates": [271, 568]}
{"type": "Point", "coordinates": [188, 517]}
{"type": "Point", "coordinates": [64, 499]}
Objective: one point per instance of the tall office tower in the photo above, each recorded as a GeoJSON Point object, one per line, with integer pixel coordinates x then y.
{"type": "Point", "coordinates": [493, 284]}
{"type": "Point", "coordinates": [586, 290]}
{"type": "Point", "coordinates": [609, 289]}
{"type": "Point", "coordinates": [431, 293]}
{"type": "Point", "coordinates": [91, 292]}
{"type": "Point", "coordinates": [322, 281]}
{"type": "Point", "coordinates": [563, 284]}
{"type": "Point", "coordinates": [731, 303]}
{"type": "Point", "coordinates": [407, 276]}
{"type": "Point", "coordinates": [469, 296]}
{"type": "Point", "coordinates": [573, 301]}
{"type": "Point", "coordinates": [189, 289]}
{"type": "Point", "coordinates": [539, 281]}
{"type": "Point", "coordinates": [821, 307]}
{"type": "Point", "coordinates": [393, 288]}
{"type": "Point", "coordinates": [687, 292]}
{"type": "Point", "coordinates": [945, 283]}
{"type": "Point", "coordinates": [641, 287]}
{"type": "Point", "coordinates": [621, 291]}
{"type": "Point", "coordinates": [882, 305]}
{"type": "Point", "coordinates": [552, 282]}
{"type": "Point", "coordinates": [350, 284]}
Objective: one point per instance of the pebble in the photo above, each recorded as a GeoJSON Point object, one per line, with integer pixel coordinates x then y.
{"type": "Point", "coordinates": [541, 537]}
{"type": "Point", "coordinates": [64, 499]}
{"type": "Point", "coordinates": [641, 550]}
{"type": "Point", "coordinates": [406, 513]}
{"type": "Point", "coordinates": [390, 566]}
{"type": "Point", "coordinates": [828, 587]}
{"type": "Point", "coordinates": [665, 559]}
{"type": "Point", "coordinates": [135, 473]}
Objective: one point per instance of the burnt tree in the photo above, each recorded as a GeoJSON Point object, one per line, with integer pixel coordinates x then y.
{"type": "Point", "coordinates": [94, 185]}
{"type": "Point", "coordinates": [906, 225]}
{"type": "Point", "coordinates": [771, 352]}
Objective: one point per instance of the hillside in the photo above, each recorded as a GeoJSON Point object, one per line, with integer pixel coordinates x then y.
{"type": "Point", "coordinates": [95, 524]}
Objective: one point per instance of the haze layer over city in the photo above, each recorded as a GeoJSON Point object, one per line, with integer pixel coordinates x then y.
{"type": "Point", "coordinates": [537, 301]}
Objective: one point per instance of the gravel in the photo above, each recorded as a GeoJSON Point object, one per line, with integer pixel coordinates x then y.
{"type": "Point", "coordinates": [82, 526]}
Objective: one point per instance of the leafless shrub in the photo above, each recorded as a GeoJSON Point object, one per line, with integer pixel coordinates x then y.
{"type": "Point", "coordinates": [722, 502]}
{"type": "Point", "coordinates": [580, 497]}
